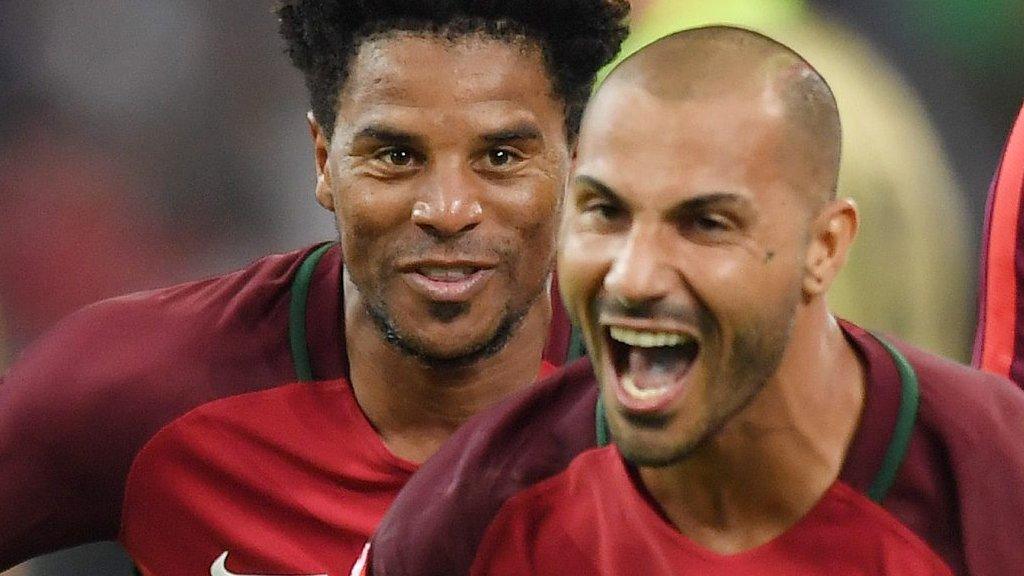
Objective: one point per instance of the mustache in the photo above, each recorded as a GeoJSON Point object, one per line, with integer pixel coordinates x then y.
{"type": "Point", "coordinates": [464, 247]}
{"type": "Point", "coordinates": [605, 306]}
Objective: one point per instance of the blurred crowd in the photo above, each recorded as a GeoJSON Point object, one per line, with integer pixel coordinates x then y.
{"type": "Point", "coordinates": [145, 143]}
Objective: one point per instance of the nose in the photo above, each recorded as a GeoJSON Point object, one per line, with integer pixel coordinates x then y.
{"type": "Point", "coordinates": [450, 203]}
{"type": "Point", "coordinates": [639, 273]}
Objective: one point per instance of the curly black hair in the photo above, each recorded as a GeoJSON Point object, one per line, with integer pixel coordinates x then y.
{"type": "Point", "coordinates": [576, 37]}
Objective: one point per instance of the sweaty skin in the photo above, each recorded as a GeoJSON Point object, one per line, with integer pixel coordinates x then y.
{"type": "Point", "coordinates": [727, 244]}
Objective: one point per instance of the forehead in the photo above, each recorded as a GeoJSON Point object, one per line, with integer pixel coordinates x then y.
{"type": "Point", "coordinates": [661, 149]}
{"type": "Point", "coordinates": [415, 72]}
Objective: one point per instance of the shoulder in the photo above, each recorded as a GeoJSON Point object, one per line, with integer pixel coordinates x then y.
{"type": "Point", "coordinates": [972, 422]}
{"type": "Point", "coordinates": [113, 372]}
{"type": "Point", "coordinates": [440, 517]}
{"type": "Point", "coordinates": [80, 402]}
{"type": "Point", "coordinates": [156, 337]}
{"type": "Point", "coordinates": [965, 402]}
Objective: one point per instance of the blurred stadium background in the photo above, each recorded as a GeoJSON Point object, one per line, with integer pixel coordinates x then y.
{"type": "Point", "coordinates": [144, 143]}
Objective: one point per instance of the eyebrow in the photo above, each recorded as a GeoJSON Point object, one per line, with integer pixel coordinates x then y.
{"type": "Point", "coordinates": [522, 131]}
{"type": "Point", "coordinates": [693, 204]}
{"type": "Point", "coordinates": [600, 187]}
{"type": "Point", "coordinates": [710, 199]}
{"type": "Point", "coordinates": [384, 133]}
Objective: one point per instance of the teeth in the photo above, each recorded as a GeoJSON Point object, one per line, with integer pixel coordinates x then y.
{"type": "Point", "coordinates": [645, 339]}
{"type": "Point", "coordinates": [445, 273]}
{"type": "Point", "coordinates": [641, 394]}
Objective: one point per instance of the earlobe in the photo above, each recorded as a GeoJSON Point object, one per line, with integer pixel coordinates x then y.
{"type": "Point", "coordinates": [832, 236]}
{"type": "Point", "coordinates": [323, 172]}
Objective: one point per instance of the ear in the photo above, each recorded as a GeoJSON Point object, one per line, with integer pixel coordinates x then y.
{"type": "Point", "coordinates": [323, 169]}
{"type": "Point", "coordinates": [832, 233]}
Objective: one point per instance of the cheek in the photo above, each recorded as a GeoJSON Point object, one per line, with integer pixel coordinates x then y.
{"type": "Point", "coordinates": [583, 262]}
{"type": "Point", "coordinates": [735, 284]}
{"type": "Point", "coordinates": [364, 211]}
{"type": "Point", "coordinates": [529, 214]}
{"type": "Point", "coordinates": [532, 201]}
{"type": "Point", "coordinates": [368, 223]}
{"type": "Point", "coordinates": [532, 205]}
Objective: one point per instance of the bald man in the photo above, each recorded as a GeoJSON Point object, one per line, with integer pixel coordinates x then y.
{"type": "Point", "coordinates": [736, 427]}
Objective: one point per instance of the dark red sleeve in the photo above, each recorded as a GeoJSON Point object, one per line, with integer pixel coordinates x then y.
{"type": "Point", "coordinates": [69, 425]}
{"type": "Point", "coordinates": [81, 402]}
{"type": "Point", "coordinates": [440, 517]}
{"type": "Point", "coordinates": [978, 419]}
{"type": "Point", "coordinates": [999, 341]}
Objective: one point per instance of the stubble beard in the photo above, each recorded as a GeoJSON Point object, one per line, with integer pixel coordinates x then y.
{"type": "Point", "coordinates": [756, 355]}
{"type": "Point", "coordinates": [413, 347]}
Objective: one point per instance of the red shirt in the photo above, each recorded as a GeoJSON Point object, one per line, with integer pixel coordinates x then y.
{"type": "Point", "coordinates": [290, 480]}
{"type": "Point", "coordinates": [934, 470]}
{"type": "Point", "coordinates": [594, 519]}
{"type": "Point", "coordinates": [165, 419]}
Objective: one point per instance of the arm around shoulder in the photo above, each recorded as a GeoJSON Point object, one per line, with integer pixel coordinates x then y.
{"type": "Point", "coordinates": [65, 447]}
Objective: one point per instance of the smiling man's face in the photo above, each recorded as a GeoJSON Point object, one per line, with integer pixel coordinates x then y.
{"type": "Point", "coordinates": [683, 246]}
{"type": "Point", "coordinates": [445, 171]}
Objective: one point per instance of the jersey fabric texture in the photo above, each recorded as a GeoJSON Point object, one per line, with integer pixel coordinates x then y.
{"type": "Point", "coordinates": [594, 520]}
{"type": "Point", "coordinates": [999, 342]}
{"type": "Point", "coordinates": [166, 419]}
{"type": "Point", "coordinates": [930, 485]}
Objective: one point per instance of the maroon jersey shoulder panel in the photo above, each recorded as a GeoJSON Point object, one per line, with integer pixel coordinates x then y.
{"type": "Point", "coordinates": [970, 427]}
{"type": "Point", "coordinates": [922, 495]}
{"type": "Point", "coordinates": [956, 487]}
{"type": "Point", "coordinates": [526, 439]}
{"type": "Point", "coordinates": [80, 403]}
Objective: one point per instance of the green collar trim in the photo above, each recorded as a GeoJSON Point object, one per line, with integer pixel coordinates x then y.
{"type": "Point", "coordinates": [604, 436]}
{"type": "Point", "coordinates": [297, 313]}
{"type": "Point", "coordinates": [910, 401]}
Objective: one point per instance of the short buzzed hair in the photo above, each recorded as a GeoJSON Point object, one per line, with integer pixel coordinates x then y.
{"type": "Point", "coordinates": [710, 61]}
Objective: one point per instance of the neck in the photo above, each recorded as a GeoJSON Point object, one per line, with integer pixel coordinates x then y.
{"type": "Point", "coordinates": [414, 406]}
{"type": "Point", "coordinates": [774, 460]}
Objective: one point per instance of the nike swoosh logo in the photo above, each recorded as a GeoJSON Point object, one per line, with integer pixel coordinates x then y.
{"type": "Point", "coordinates": [219, 568]}
{"type": "Point", "coordinates": [359, 569]}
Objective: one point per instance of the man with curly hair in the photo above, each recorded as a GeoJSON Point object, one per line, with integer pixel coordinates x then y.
{"type": "Point", "coordinates": [442, 131]}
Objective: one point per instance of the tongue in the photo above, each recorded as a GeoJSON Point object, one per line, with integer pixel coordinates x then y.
{"type": "Point", "coordinates": [653, 368]}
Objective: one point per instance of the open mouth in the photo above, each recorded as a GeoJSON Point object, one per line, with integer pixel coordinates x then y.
{"type": "Point", "coordinates": [650, 366]}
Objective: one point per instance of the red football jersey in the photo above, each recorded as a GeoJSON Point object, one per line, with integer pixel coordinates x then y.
{"type": "Point", "coordinates": [930, 484]}
{"type": "Point", "coordinates": [594, 520]}
{"type": "Point", "coordinates": [164, 419]}
{"type": "Point", "coordinates": [285, 481]}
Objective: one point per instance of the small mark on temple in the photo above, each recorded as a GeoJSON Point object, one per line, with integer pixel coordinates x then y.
{"type": "Point", "coordinates": [768, 256]}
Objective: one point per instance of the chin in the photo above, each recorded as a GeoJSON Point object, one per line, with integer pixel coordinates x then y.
{"type": "Point", "coordinates": [446, 345]}
{"type": "Point", "coordinates": [657, 456]}
{"type": "Point", "coordinates": [654, 445]}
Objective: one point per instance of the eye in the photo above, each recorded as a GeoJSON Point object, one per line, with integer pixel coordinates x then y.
{"type": "Point", "coordinates": [601, 210]}
{"type": "Point", "coordinates": [711, 223]}
{"type": "Point", "coordinates": [502, 157]}
{"type": "Point", "coordinates": [605, 210]}
{"type": "Point", "coordinates": [711, 226]}
{"type": "Point", "coordinates": [399, 157]}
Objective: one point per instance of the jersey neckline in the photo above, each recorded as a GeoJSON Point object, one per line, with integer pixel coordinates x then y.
{"type": "Point", "coordinates": [877, 375]}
